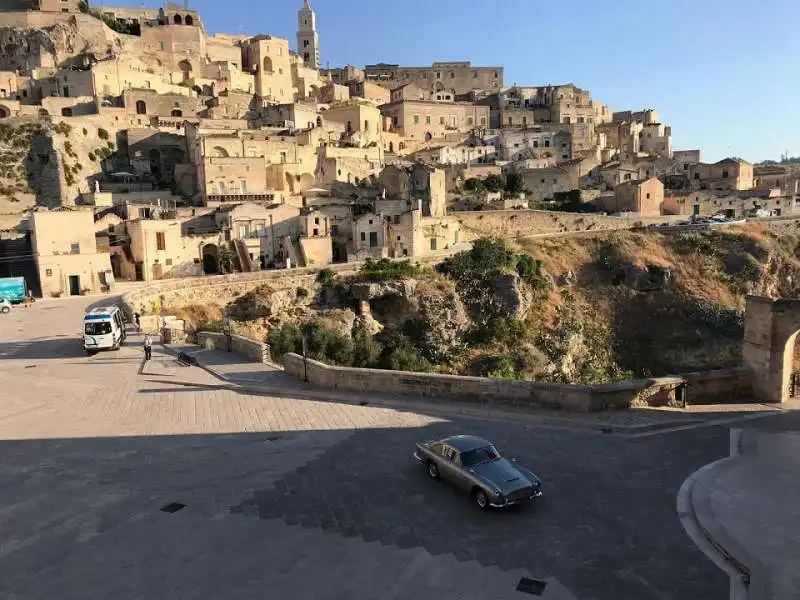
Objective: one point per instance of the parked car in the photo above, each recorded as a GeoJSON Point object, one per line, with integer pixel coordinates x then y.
{"type": "Point", "coordinates": [5, 306]}
{"type": "Point", "coordinates": [475, 466]}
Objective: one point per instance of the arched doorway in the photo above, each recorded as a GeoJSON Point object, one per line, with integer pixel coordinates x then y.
{"type": "Point", "coordinates": [141, 107]}
{"type": "Point", "coordinates": [5, 112]}
{"type": "Point", "coordinates": [189, 20]}
{"type": "Point", "coordinates": [155, 162]}
{"type": "Point", "coordinates": [219, 152]}
{"type": "Point", "coordinates": [267, 65]}
{"type": "Point", "coordinates": [43, 112]}
{"type": "Point", "coordinates": [391, 147]}
{"type": "Point", "coordinates": [186, 68]}
{"type": "Point", "coordinates": [428, 137]}
{"type": "Point", "coordinates": [771, 329]}
{"type": "Point", "coordinates": [176, 112]}
{"type": "Point", "coordinates": [211, 259]}
{"type": "Point", "coordinates": [177, 19]}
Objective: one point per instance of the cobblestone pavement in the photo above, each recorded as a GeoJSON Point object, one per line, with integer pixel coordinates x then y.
{"type": "Point", "coordinates": [302, 498]}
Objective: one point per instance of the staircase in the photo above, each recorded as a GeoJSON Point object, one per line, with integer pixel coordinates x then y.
{"type": "Point", "coordinates": [244, 264]}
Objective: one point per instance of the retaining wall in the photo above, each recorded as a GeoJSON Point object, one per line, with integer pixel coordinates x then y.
{"type": "Point", "coordinates": [521, 394]}
{"type": "Point", "coordinates": [252, 350]}
{"type": "Point", "coordinates": [722, 386]}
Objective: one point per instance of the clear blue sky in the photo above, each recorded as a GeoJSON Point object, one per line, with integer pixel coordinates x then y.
{"type": "Point", "coordinates": [723, 73]}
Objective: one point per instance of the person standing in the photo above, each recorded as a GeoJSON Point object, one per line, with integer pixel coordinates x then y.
{"type": "Point", "coordinates": [137, 320]}
{"type": "Point", "coordinates": [148, 346]}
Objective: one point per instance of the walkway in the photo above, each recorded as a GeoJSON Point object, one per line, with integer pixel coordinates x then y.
{"type": "Point", "coordinates": [270, 379]}
{"type": "Point", "coordinates": [744, 511]}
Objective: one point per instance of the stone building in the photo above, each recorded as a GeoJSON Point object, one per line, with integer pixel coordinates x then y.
{"type": "Point", "coordinates": [730, 203]}
{"type": "Point", "coordinates": [425, 121]}
{"type": "Point", "coordinates": [65, 249]}
{"type": "Point", "coordinates": [268, 59]}
{"type": "Point", "coordinates": [455, 77]}
{"type": "Point", "coordinates": [543, 184]}
{"type": "Point", "coordinates": [726, 174]}
{"type": "Point", "coordinates": [524, 144]}
{"type": "Point", "coordinates": [643, 197]}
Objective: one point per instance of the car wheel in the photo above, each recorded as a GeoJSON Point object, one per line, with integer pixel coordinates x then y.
{"type": "Point", "coordinates": [5, 310]}
{"type": "Point", "coordinates": [90, 352]}
{"type": "Point", "coordinates": [481, 499]}
{"type": "Point", "coordinates": [433, 470]}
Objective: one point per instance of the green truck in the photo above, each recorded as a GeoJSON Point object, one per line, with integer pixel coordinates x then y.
{"type": "Point", "coordinates": [13, 289]}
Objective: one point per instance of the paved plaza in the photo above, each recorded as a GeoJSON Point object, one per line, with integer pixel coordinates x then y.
{"type": "Point", "coordinates": [296, 498]}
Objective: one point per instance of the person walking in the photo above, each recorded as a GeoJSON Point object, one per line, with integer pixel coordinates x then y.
{"type": "Point", "coordinates": [137, 321]}
{"type": "Point", "coordinates": [148, 346]}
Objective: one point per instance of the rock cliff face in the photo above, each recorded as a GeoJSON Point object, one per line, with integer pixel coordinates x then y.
{"type": "Point", "coordinates": [52, 46]}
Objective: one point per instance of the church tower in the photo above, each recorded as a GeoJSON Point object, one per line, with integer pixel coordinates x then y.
{"type": "Point", "coordinates": [307, 38]}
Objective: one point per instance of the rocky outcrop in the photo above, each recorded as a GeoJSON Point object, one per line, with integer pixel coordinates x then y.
{"type": "Point", "coordinates": [339, 321]}
{"type": "Point", "coordinates": [262, 302]}
{"type": "Point", "coordinates": [441, 319]}
{"type": "Point", "coordinates": [511, 297]}
{"type": "Point", "coordinates": [643, 279]}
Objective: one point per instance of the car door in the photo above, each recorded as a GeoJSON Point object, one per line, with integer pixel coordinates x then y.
{"type": "Point", "coordinates": [451, 469]}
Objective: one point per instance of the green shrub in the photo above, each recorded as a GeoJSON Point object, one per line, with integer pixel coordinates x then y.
{"type": "Point", "coordinates": [366, 349]}
{"type": "Point", "coordinates": [102, 134]}
{"type": "Point", "coordinates": [531, 271]}
{"type": "Point", "coordinates": [302, 292]}
{"type": "Point", "coordinates": [385, 269]}
{"type": "Point", "coordinates": [285, 338]}
{"type": "Point", "coordinates": [402, 355]}
{"type": "Point", "coordinates": [326, 277]}
{"type": "Point", "coordinates": [92, 157]}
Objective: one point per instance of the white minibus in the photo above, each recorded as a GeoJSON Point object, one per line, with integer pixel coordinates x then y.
{"type": "Point", "coordinates": [103, 329]}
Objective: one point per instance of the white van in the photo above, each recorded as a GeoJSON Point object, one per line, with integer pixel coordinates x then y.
{"type": "Point", "coordinates": [103, 329]}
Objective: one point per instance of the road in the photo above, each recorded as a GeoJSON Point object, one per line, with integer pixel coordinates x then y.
{"type": "Point", "coordinates": [302, 499]}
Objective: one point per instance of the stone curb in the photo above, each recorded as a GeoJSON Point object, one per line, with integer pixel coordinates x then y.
{"type": "Point", "coordinates": [687, 502]}
{"type": "Point", "coordinates": [448, 410]}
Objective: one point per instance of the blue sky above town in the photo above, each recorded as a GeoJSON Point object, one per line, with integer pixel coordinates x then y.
{"type": "Point", "coordinates": [720, 72]}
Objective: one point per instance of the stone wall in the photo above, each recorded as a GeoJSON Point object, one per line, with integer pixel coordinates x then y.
{"type": "Point", "coordinates": [522, 223]}
{"type": "Point", "coordinates": [252, 350]}
{"type": "Point", "coordinates": [500, 392]}
{"type": "Point", "coordinates": [722, 386]}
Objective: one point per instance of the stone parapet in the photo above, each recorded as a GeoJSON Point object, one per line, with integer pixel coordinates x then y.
{"type": "Point", "coordinates": [252, 350]}
{"type": "Point", "coordinates": [482, 390]}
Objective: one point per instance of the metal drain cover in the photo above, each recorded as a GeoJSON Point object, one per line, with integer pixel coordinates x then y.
{"type": "Point", "coordinates": [173, 507]}
{"type": "Point", "coordinates": [531, 586]}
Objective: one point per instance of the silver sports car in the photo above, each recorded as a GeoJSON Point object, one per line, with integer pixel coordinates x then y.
{"type": "Point", "coordinates": [475, 466]}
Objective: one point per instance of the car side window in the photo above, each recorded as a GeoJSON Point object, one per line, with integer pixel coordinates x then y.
{"type": "Point", "coordinates": [450, 454]}
{"type": "Point", "coordinates": [438, 449]}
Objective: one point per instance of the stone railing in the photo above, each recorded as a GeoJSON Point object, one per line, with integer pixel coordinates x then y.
{"type": "Point", "coordinates": [252, 350]}
{"type": "Point", "coordinates": [520, 394]}
{"type": "Point", "coordinates": [721, 386]}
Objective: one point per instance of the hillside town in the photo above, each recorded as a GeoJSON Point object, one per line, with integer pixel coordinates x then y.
{"type": "Point", "coordinates": [158, 150]}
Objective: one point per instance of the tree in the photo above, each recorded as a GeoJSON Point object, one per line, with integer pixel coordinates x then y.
{"type": "Point", "coordinates": [514, 183]}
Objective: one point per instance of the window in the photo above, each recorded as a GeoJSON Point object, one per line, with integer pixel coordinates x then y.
{"type": "Point", "coordinates": [428, 120]}
{"type": "Point", "coordinates": [452, 75]}
{"type": "Point", "coordinates": [483, 120]}
{"type": "Point", "coordinates": [441, 120]}
{"type": "Point", "coordinates": [305, 43]}
{"type": "Point", "coordinates": [315, 232]}
{"type": "Point", "coordinates": [363, 236]}
{"type": "Point", "coordinates": [398, 238]}
{"type": "Point", "coordinates": [334, 230]}
{"type": "Point", "coordinates": [242, 186]}
{"type": "Point", "coordinates": [416, 120]}
{"type": "Point", "coordinates": [75, 248]}
{"type": "Point", "coordinates": [725, 173]}
{"type": "Point", "coordinates": [161, 45]}
{"type": "Point", "coordinates": [48, 272]}
{"type": "Point", "coordinates": [433, 243]}
{"type": "Point", "coordinates": [547, 143]}
{"type": "Point", "coordinates": [496, 76]}
{"type": "Point", "coordinates": [222, 188]}
{"type": "Point", "coordinates": [685, 166]}
{"type": "Point", "coordinates": [168, 261]}
{"type": "Point", "coordinates": [475, 75]}
{"type": "Point", "coordinates": [438, 76]}
{"type": "Point", "coordinates": [366, 125]}
{"type": "Point", "coordinates": [98, 328]}
{"type": "Point", "coordinates": [469, 120]}
{"type": "Point", "coordinates": [283, 157]}
{"type": "Point", "coordinates": [161, 243]}
{"type": "Point", "coordinates": [373, 239]}
{"type": "Point", "coordinates": [648, 196]}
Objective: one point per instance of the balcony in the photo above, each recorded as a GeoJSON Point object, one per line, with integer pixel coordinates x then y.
{"type": "Point", "coordinates": [233, 197]}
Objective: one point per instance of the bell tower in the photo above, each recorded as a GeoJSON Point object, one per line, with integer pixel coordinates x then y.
{"type": "Point", "coordinates": [307, 37]}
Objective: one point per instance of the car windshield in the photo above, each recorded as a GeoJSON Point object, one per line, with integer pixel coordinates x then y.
{"type": "Point", "coordinates": [98, 328]}
{"type": "Point", "coordinates": [479, 455]}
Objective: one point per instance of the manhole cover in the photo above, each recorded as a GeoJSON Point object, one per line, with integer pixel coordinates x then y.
{"type": "Point", "coordinates": [173, 507]}
{"type": "Point", "coordinates": [531, 586]}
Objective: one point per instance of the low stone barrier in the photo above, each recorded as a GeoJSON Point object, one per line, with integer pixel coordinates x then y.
{"type": "Point", "coordinates": [521, 394]}
{"type": "Point", "coordinates": [721, 386]}
{"type": "Point", "coordinates": [252, 350]}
